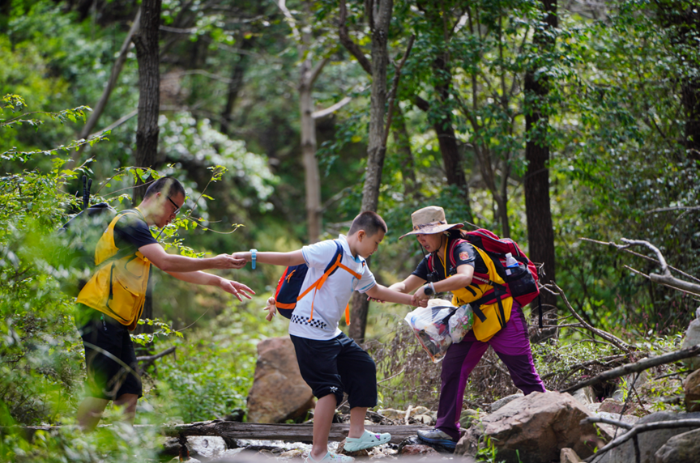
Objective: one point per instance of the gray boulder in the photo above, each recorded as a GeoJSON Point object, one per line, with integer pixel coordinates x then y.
{"type": "Point", "coordinates": [683, 448]}
{"type": "Point", "coordinates": [534, 429]}
{"type": "Point", "coordinates": [692, 338]}
{"type": "Point", "coordinates": [500, 403]}
{"type": "Point", "coordinates": [649, 442]}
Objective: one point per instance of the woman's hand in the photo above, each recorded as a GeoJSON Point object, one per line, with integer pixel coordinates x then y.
{"type": "Point", "coordinates": [419, 296]}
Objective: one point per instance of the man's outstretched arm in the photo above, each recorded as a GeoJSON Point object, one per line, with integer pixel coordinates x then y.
{"type": "Point", "coordinates": [174, 263]}
{"type": "Point", "coordinates": [207, 279]}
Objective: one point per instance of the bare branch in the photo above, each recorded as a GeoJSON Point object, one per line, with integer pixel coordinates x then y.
{"type": "Point", "coordinates": [600, 419]}
{"type": "Point", "coordinates": [650, 259]}
{"type": "Point", "coordinates": [348, 43]}
{"type": "Point", "coordinates": [152, 358]}
{"type": "Point", "coordinates": [282, 4]}
{"type": "Point", "coordinates": [620, 344]}
{"type": "Point", "coordinates": [331, 109]}
{"type": "Point", "coordinates": [642, 365]}
{"type": "Point", "coordinates": [691, 423]}
{"type": "Point", "coordinates": [659, 256]}
{"type": "Point", "coordinates": [116, 123]}
{"type": "Point", "coordinates": [316, 71]}
{"type": "Point", "coordinates": [116, 70]}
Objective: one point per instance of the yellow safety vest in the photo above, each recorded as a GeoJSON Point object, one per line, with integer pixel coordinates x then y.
{"type": "Point", "coordinates": [494, 321]}
{"type": "Point", "coordinates": [118, 286]}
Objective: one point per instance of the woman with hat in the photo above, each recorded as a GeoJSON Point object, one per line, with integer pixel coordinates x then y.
{"type": "Point", "coordinates": [500, 322]}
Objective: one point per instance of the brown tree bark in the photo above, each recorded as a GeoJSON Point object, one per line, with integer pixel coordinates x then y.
{"type": "Point", "coordinates": [379, 14]}
{"type": "Point", "coordinates": [234, 88]}
{"type": "Point", "coordinates": [308, 73]}
{"type": "Point", "coordinates": [402, 142]}
{"type": "Point", "coordinates": [540, 229]}
{"type": "Point", "coordinates": [147, 55]}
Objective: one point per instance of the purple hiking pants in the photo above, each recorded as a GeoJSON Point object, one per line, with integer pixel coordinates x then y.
{"type": "Point", "coordinates": [512, 346]}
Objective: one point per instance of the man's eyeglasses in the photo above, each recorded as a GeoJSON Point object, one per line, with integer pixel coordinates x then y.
{"type": "Point", "coordinates": [177, 208]}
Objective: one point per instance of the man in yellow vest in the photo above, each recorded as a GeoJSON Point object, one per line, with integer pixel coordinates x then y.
{"type": "Point", "coordinates": [111, 302]}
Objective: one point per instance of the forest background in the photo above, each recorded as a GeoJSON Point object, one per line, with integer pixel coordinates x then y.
{"type": "Point", "coordinates": [543, 121]}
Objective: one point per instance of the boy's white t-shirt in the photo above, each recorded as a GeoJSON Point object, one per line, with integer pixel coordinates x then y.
{"type": "Point", "coordinates": [330, 301]}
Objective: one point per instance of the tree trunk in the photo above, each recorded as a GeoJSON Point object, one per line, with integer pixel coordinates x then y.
{"type": "Point", "coordinates": [540, 230]}
{"type": "Point", "coordinates": [308, 149]}
{"type": "Point", "coordinates": [146, 41]}
{"type": "Point", "coordinates": [451, 155]}
{"type": "Point", "coordinates": [234, 88]}
{"type": "Point", "coordinates": [403, 147]}
{"type": "Point", "coordinates": [380, 14]}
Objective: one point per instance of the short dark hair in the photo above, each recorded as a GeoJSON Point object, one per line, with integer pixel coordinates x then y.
{"type": "Point", "coordinates": [174, 187]}
{"type": "Point", "coordinates": [370, 222]}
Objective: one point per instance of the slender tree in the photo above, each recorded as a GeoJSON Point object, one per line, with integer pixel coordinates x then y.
{"type": "Point", "coordinates": [147, 55]}
{"type": "Point", "coordinates": [540, 229]}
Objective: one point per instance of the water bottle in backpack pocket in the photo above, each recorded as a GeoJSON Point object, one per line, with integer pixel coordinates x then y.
{"type": "Point", "coordinates": [519, 278]}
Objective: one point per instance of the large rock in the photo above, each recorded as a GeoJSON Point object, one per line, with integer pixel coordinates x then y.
{"type": "Point", "coordinates": [279, 393]}
{"type": "Point", "coordinates": [500, 403]}
{"type": "Point", "coordinates": [683, 448]}
{"type": "Point", "coordinates": [650, 441]}
{"type": "Point", "coordinates": [691, 387]}
{"type": "Point", "coordinates": [535, 428]}
{"type": "Point", "coordinates": [692, 338]}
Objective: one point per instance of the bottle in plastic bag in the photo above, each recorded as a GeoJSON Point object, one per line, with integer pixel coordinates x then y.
{"type": "Point", "coordinates": [461, 322]}
{"type": "Point", "coordinates": [431, 327]}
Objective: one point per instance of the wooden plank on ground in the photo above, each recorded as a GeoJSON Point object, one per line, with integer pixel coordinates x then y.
{"type": "Point", "coordinates": [285, 432]}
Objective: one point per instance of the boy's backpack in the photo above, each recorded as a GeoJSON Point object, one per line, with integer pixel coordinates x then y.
{"type": "Point", "coordinates": [78, 238]}
{"type": "Point", "coordinates": [521, 282]}
{"type": "Point", "coordinates": [288, 291]}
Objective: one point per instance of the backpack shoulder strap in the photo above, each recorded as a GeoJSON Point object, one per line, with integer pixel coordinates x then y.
{"type": "Point", "coordinates": [451, 251]}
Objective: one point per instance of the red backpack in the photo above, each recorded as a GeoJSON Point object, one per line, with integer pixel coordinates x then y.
{"type": "Point", "coordinates": [521, 282]}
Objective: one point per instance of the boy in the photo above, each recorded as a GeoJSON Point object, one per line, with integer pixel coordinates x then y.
{"type": "Point", "coordinates": [329, 361]}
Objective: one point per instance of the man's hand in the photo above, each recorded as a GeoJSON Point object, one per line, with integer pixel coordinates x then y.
{"type": "Point", "coordinates": [271, 309]}
{"type": "Point", "coordinates": [227, 261]}
{"type": "Point", "coordinates": [235, 288]}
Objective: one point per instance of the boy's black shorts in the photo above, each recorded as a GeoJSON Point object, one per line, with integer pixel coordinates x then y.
{"type": "Point", "coordinates": [107, 378]}
{"type": "Point", "coordinates": [336, 366]}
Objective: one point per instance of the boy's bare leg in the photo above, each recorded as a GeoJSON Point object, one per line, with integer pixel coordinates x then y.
{"type": "Point", "coordinates": [90, 412]}
{"type": "Point", "coordinates": [323, 417]}
{"type": "Point", "coordinates": [357, 422]}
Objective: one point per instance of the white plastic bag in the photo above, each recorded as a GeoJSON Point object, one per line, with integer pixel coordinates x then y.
{"type": "Point", "coordinates": [430, 325]}
{"type": "Point", "coordinates": [461, 322]}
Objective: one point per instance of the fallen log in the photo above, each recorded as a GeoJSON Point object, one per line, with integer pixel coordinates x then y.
{"type": "Point", "coordinates": [636, 367]}
{"type": "Point", "coordinates": [285, 432]}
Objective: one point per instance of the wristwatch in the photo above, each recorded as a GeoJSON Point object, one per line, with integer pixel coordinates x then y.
{"type": "Point", "coordinates": [429, 289]}
{"type": "Point", "coordinates": [253, 256]}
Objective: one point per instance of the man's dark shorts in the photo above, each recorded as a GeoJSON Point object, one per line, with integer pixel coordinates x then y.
{"type": "Point", "coordinates": [106, 377]}
{"type": "Point", "coordinates": [336, 366]}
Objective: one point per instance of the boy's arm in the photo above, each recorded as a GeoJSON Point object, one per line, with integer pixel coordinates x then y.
{"type": "Point", "coordinates": [207, 279]}
{"type": "Point", "coordinates": [385, 294]}
{"type": "Point", "coordinates": [285, 259]}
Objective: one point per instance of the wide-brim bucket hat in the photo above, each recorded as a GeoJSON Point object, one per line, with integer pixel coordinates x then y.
{"type": "Point", "coordinates": [430, 220]}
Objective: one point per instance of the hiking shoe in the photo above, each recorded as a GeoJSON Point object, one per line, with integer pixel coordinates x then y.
{"type": "Point", "coordinates": [330, 458]}
{"type": "Point", "coordinates": [366, 440]}
{"type": "Point", "coordinates": [435, 436]}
